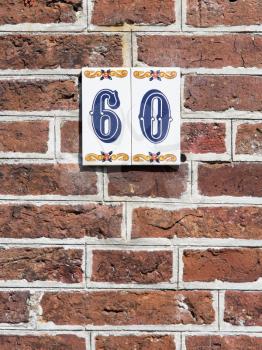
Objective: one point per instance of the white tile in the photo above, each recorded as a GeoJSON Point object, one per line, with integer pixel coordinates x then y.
{"type": "Point", "coordinates": [106, 135]}
{"type": "Point", "coordinates": [155, 116]}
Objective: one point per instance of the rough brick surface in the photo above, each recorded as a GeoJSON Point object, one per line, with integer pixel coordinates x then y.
{"type": "Point", "coordinates": [60, 221]}
{"type": "Point", "coordinates": [212, 342]}
{"type": "Point", "coordinates": [38, 95]}
{"type": "Point", "coordinates": [43, 179]}
{"type": "Point", "coordinates": [40, 11]}
{"type": "Point", "coordinates": [209, 222]}
{"type": "Point", "coordinates": [201, 13]}
{"type": "Point", "coordinates": [128, 308]}
{"type": "Point", "coordinates": [193, 51]}
{"type": "Point", "coordinates": [228, 265]}
{"type": "Point", "coordinates": [70, 136]}
{"type": "Point", "coordinates": [13, 307]}
{"type": "Point", "coordinates": [235, 179]}
{"type": "Point", "coordinates": [145, 342]}
{"type": "Point", "coordinates": [24, 136]}
{"type": "Point", "coordinates": [203, 137]}
{"type": "Point", "coordinates": [132, 266]}
{"type": "Point", "coordinates": [249, 139]}
{"type": "Point", "coordinates": [42, 342]}
{"type": "Point", "coordinates": [166, 182]}
{"type": "Point", "coordinates": [43, 264]}
{"type": "Point", "coordinates": [117, 13]}
{"type": "Point", "coordinates": [96, 257]}
{"type": "Point", "coordinates": [243, 308]}
{"type": "Point", "coordinates": [220, 93]}
{"type": "Point", "coordinates": [54, 51]}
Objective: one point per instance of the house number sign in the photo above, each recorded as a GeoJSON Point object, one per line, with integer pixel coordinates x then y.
{"type": "Point", "coordinates": [131, 116]}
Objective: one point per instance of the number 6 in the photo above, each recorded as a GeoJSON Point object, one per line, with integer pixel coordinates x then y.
{"type": "Point", "coordinates": [106, 123]}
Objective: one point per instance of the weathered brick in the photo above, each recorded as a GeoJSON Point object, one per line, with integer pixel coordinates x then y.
{"type": "Point", "coordinates": [70, 136]}
{"type": "Point", "coordinates": [13, 307]}
{"type": "Point", "coordinates": [41, 264]}
{"type": "Point", "coordinates": [202, 13]}
{"type": "Point", "coordinates": [23, 51]}
{"type": "Point", "coordinates": [131, 266]}
{"type": "Point", "coordinates": [38, 95]}
{"type": "Point", "coordinates": [40, 11]}
{"type": "Point", "coordinates": [43, 179]}
{"type": "Point", "coordinates": [128, 308]}
{"type": "Point", "coordinates": [42, 342]}
{"type": "Point", "coordinates": [232, 179]}
{"type": "Point", "coordinates": [200, 137]}
{"type": "Point", "coordinates": [243, 308]}
{"type": "Point", "coordinates": [166, 182]}
{"type": "Point", "coordinates": [249, 139]}
{"type": "Point", "coordinates": [24, 136]}
{"type": "Point", "coordinates": [234, 342]}
{"type": "Point", "coordinates": [128, 342]}
{"type": "Point", "coordinates": [209, 222]}
{"type": "Point", "coordinates": [108, 13]}
{"type": "Point", "coordinates": [227, 265]}
{"type": "Point", "coordinates": [220, 93]}
{"type": "Point", "coordinates": [196, 51]}
{"type": "Point", "coordinates": [60, 221]}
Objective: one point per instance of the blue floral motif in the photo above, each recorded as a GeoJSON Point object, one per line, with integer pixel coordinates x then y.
{"type": "Point", "coordinates": [107, 156]}
{"type": "Point", "coordinates": [154, 157]}
{"type": "Point", "coordinates": [106, 74]}
{"type": "Point", "coordinates": [154, 75]}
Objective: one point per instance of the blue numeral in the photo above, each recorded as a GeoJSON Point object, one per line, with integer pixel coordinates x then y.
{"type": "Point", "coordinates": [106, 123]}
{"type": "Point", "coordinates": [155, 116]}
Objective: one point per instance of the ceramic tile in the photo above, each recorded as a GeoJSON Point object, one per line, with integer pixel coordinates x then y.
{"type": "Point", "coordinates": [155, 116]}
{"type": "Point", "coordinates": [106, 116]}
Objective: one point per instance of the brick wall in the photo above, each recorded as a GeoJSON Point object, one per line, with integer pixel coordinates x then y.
{"type": "Point", "coordinates": [148, 258]}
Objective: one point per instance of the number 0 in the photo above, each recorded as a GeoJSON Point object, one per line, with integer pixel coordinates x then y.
{"type": "Point", "coordinates": [155, 116]}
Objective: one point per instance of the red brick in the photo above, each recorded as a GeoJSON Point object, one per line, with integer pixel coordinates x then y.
{"type": "Point", "coordinates": [42, 342]}
{"type": "Point", "coordinates": [14, 307]}
{"type": "Point", "coordinates": [131, 266]}
{"type": "Point", "coordinates": [200, 137]}
{"type": "Point", "coordinates": [44, 95]}
{"type": "Point", "coordinates": [60, 221]}
{"type": "Point", "coordinates": [43, 179]}
{"type": "Point", "coordinates": [70, 136]}
{"type": "Point", "coordinates": [24, 136]}
{"type": "Point", "coordinates": [234, 179]}
{"type": "Point", "coordinates": [128, 308]}
{"type": "Point", "coordinates": [40, 11]}
{"type": "Point", "coordinates": [249, 139]}
{"type": "Point", "coordinates": [201, 13]}
{"type": "Point", "coordinates": [115, 13]}
{"type": "Point", "coordinates": [220, 93]}
{"type": "Point", "coordinates": [213, 342]}
{"type": "Point", "coordinates": [227, 265]}
{"type": "Point", "coordinates": [41, 264]}
{"type": "Point", "coordinates": [208, 222]}
{"type": "Point", "coordinates": [128, 342]}
{"type": "Point", "coordinates": [195, 51]}
{"type": "Point", "coordinates": [166, 182]}
{"type": "Point", "coordinates": [243, 308]}
{"type": "Point", "coordinates": [24, 51]}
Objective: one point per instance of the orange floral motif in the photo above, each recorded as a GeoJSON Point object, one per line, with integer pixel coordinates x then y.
{"type": "Point", "coordinates": [106, 157]}
{"type": "Point", "coordinates": [151, 75]}
{"type": "Point", "coordinates": [154, 157]}
{"type": "Point", "coordinates": [106, 74]}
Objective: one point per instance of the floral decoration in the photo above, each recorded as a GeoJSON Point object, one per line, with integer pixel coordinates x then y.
{"type": "Point", "coordinates": [105, 74]}
{"type": "Point", "coordinates": [154, 157]}
{"type": "Point", "coordinates": [154, 75]}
